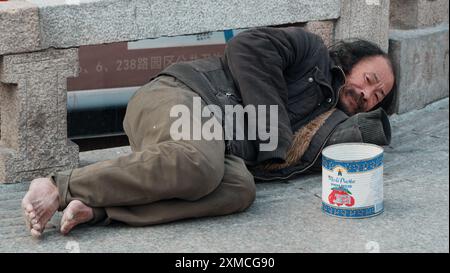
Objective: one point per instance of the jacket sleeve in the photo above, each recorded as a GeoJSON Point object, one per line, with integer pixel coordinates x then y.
{"type": "Point", "coordinates": [371, 127]}
{"type": "Point", "coordinates": [257, 60]}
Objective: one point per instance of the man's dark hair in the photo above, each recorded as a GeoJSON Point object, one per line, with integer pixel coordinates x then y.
{"type": "Point", "coordinates": [348, 53]}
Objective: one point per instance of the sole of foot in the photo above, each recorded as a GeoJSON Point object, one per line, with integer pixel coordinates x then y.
{"type": "Point", "coordinates": [39, 205]}
{"type": "Point", "coordinates": [75, 214]}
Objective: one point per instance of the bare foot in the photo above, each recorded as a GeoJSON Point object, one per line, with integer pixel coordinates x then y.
{"type": "Point", "coordinates": [39, 204]}
{"type": "Point", "coordinates": [76, 213]}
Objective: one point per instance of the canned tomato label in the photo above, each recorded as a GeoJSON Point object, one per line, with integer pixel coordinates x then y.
{"type": "Point", "coordinates": [352, 180]}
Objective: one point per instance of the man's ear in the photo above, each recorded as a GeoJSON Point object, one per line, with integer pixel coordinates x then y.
{"type": "Point", "coordinates": [389, 102]}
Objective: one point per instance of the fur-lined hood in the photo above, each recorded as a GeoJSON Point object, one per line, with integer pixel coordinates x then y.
{"type": "Point", "coordinates": [327, 129]}
{"type": "Point", "coordinates": [305, 150]}
{"type": "Point", "coordinates": [300, 143]}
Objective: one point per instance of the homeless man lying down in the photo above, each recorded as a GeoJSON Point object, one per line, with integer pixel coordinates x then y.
{"type": "Point", "coordinates": [318, 96]}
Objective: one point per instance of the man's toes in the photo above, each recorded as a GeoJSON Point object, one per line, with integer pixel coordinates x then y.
{"type": "Point", "coordinates": [32, 215]}
{"type": "Point", "coordinates": [29, 211]}
{"type": "Point", "coordinates": [29, 221]}
{"type": "Point", "coordinates": [26, 215]}
{"type": "Point", "coordinates": [37, 227]}
{"type": "Point", "coordinates": [25, 201]}
{"type": "Point", "coordinates": [69, 216]}
{"type": "Point", "coordinates": [35, 233]}
{"type": "Point", "coordinates": [65, 226]}
{"type": "Point", "coordinates": [65, 229]}
{"type": "Point", "coordinates": [29, 208]}
{"type": "Point", "coordinates": [66, 223]}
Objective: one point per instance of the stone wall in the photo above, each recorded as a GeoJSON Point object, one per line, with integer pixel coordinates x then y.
{"type": "Point", "coordinates": [33, 106]}
{"type": "Point", "coordinates": [419, 47]}
{"type": "Point", "coordinates": [412, 14]}
{"type": "Point", "coordinates": [41, 24]}
{"type": "Point", "coordinates": [367, 20]}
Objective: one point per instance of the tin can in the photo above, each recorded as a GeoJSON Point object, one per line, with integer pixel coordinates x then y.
{"type": "Point", "coordinates": [352, 180]}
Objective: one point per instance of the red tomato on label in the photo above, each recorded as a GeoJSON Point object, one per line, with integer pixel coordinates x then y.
{"type": "Point", "coordinates": [341, 197]}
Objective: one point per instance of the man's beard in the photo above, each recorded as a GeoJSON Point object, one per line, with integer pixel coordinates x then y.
{"type": "Point", "coordinates": [350, 92]}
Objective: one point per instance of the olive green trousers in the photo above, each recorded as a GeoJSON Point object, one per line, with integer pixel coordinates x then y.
{"type": "Point", "coordinates": [163, 179]}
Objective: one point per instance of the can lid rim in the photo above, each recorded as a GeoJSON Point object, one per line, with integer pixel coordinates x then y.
{"type": "Point", "coordinates": [381, 151]}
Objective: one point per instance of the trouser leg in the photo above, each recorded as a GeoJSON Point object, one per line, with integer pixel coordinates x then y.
{"type": "Point", "coordinates": [235, 193]}
{"type": "Point", "coordinates": [159, 168]}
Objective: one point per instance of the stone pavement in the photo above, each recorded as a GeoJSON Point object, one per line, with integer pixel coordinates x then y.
{"type": "Point", "coordinates": [286, 217]}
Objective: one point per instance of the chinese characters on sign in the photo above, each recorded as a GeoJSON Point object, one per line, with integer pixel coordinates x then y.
{"type": "Point", "coordinates": [114, 65]}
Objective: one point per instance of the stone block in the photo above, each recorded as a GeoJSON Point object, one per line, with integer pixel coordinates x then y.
{"type": "Point", "coordinates": [33, 111]}
{"type": "Point", "coordinates": [19, 27]}
{"type": "Point", "coordinates": [408, 14]}
{"type": "Point", "coordinates": [192, 16]}
{"type": "Point", "coordinates": [89, 22]}
{"type": "Point", "coordinates": [97, 22]}
{"type": "Point", "coordinates": [324, 29]}
{"type": "Point", "coordinates": [421, 61]}
{"type": "Point", "coordinates": [368, 20]}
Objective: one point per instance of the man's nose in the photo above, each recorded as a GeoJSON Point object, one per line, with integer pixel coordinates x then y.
{"type": "Point", "coordinates": [363, 94]}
